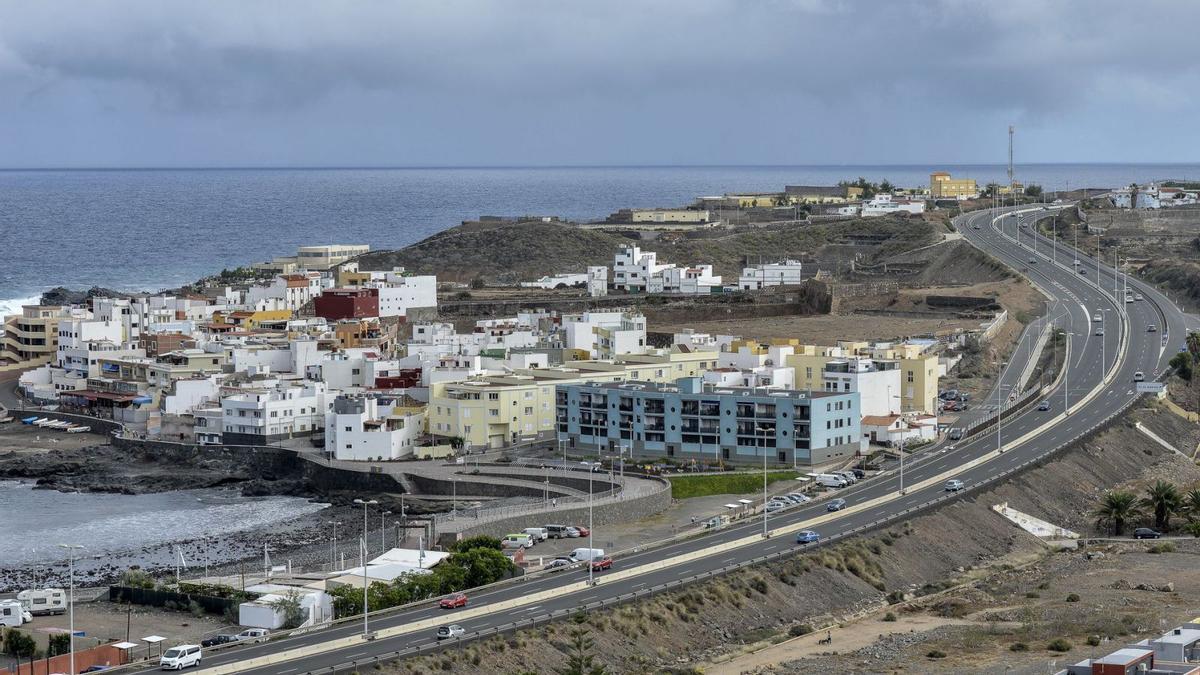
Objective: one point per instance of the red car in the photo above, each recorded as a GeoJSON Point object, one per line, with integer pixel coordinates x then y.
{"type": "Point", "coordinates": [604, 563]}
{"type": "Point", "coordinates": [583, 531]}
{"type": "Point", "coordinates": [453, 601]}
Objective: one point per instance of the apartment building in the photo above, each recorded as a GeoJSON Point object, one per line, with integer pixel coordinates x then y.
{"type": "Point", "coordinates": [684, 420]}
{"type": "Point", "coordinates": [633, 269]}
{"type": "Point", "coordinates": [274, 411]}
{"type": "Point", "coordinates": [367, 428]}
{"type": "Point", "coordinates": [338, 304]}
{"type": "Point", "coordinates": [314, 258]}
{"type": "Point", "coordinates": [877, 383]}
{"type": "Point", "coordinates": [942, 186]}
{"type": "Point", "coordinates": [498, 410]}
{"type": "Point", "coordinates": [822, 194]}
{"type": "Point", "coordinates": [605, 335]}
{"type": "Point", "coordinates": [287, 291]}
{"type": "Point", "coordinates": [31, 337]}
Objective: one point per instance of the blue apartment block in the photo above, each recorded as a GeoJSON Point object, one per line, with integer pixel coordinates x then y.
{"type": "Point", "coordinates": [688, 421]}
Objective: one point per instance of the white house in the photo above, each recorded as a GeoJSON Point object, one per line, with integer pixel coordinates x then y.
{"type": "Point", "coordinates": [550, 282]}
{"type": "Point", "coordinates": [316, 606]}
{"type": "Point", "coordinates": [597, 280]}
{"type": "Point", "coordinates": [695, 280]}
{"type": "Point", "coordinates": [367, 428]}
{"type": "Point", "coordinates": [633, 268]}
{"type": "Point", "coordinates": [891, 430]}
{"type": "Point", "coordinates": [399, 293]}
{"type": "Point", "coordinates": [876, 381]}
{"type": "Point", "coordinates": [274, 411]}
{"type": "Point", "coordinates": [290, 291]}
{"type": "Point", "coordinates": [604, 335]}
{"type": "Point", "coordinates": [784, 273]}
{"type": "Point", "coordinates": [880, 205]}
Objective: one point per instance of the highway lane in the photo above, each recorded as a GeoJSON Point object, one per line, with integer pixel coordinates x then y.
{"type": "Point", "coordinates": [567, 590]}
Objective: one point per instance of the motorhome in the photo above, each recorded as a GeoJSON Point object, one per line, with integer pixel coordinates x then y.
{"type": "Point", "coordinates": [12, 614]}
{"type": "Point", "coordinates": [43, 600]}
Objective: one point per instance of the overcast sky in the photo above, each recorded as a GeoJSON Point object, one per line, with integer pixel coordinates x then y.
{"type": "Point", "coordinates": [560, 82]}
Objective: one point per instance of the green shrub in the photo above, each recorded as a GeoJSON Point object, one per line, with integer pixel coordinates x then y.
{"type": "Point", "coordinates": [890, 616]}
{"type": "Point", "coordinates": [1073, 597]}
{"type": "Point", "coordinates": [1059, 645]}
{"type": "Point", "coordinates": [1093, 640]}
{"type": "Point", "coordinates": [936, 654]}
{"type": "Point", "coordinates": [895, 597]}
{"type": "Point", "coordinates": [1018, 647]}
{"type": "Point", "coordinates": [1033, 595]}
{"type": "Point", "coordinates": [1164, 547]}
{"type": "Point", "coordinates": [798, 629]}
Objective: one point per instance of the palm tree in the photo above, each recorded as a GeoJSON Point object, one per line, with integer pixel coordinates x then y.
{"type": "Point", "coordinates": [1191, 504]}
{"type": "Point", "coordinates": [1193, 345]}
{"type": "Point", "coordinates": [1164, 499]}
{"type": "Point", "coordinates": [1117, 508]}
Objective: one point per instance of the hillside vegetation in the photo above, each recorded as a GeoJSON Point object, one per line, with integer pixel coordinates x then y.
{"type": "Point", "coordinates": [511, 252]}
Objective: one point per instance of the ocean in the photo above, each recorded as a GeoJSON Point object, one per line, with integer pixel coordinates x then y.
{"type": "Point", "coordinates": [145, 230]}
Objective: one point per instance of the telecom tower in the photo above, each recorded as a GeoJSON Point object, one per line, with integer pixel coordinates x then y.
{"type": "Point", "coordinates": [1010, 166]}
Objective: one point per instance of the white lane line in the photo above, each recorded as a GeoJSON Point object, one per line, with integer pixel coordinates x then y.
{"type": "Point", "coordinates": [355, 656]}
{"type": "Point", "coordinates": [289, 670]}
{"type": "Point", "coordinates": [530, 609]}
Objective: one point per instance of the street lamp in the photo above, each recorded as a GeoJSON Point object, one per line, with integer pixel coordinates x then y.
{"type": "Point", "coordinates": [999, 402]}
{"type": "Point", "coordinates": [763, 430]}
{"type": "Point", "coordinates": [902, 434]}
{"type": "Point", "coordinates": [71, 549]}
{"type": "Point", "coordinates": [1066, 374]}
{"type": "Point", "coordinates": [362, 553]}
{"type": "Point", "coordinates": [591, 532]}
{"type": "Point", "coordinates": [383, 530]}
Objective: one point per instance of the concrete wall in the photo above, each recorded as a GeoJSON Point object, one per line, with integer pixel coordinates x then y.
{"type": "Point", "coordinates": [605, 514]}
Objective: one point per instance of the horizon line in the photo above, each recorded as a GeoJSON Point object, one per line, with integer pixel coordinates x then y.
{"type": "Point", "coordinates": [419, 167]}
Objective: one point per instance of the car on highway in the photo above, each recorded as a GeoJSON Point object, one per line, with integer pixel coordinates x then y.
{"type": "Point", "coordinates": [954, 485]}
{"type": "Point", "coordinates": [178, 658]}
{"type": "Point", "coordinates": [452, 631]}
{"type": "Point", "coordinates": [836, 505]}
{"type": "Point", "coordinates": [604, 563]}
{"type": "Point", "coordinates": [956, 434]}
{"type": "Point", "coordinates": [1097, 318]}
{"type": "Point", "coordinates": [1139, 376]}
{"type": "Point", "coordinates": [217, 640]}
{"type": "Point", "coordinates": [807, 537]}
{"type": "Point", "coordinates": [1138, 296]}
{"type": "Point", "coordinates": [558, 564]}
{"type": "Point", "coordinates": [1082, 271]}
{"type": "Point", "coordinates": [453, 601]}
{"type": "Point", "coordinates": [1033, 261]}
{"type": "Point", "coordinates": [1044, 405]}
{"type": "Point", "coordinates": [1151, 328]}
{"type": "Point", "coordinates": [1099, 332]}
{"type": "Point", "coordinates": [1146, 533]}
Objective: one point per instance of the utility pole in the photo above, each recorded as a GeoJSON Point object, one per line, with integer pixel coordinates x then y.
{"type": "Point", "coordinates": [71, 549]}
{"type": "Point", "coordinates": [1010, 160]}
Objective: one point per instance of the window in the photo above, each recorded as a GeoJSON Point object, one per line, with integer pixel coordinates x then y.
{"type": "Point", "coordinates": [908, 375]}
{"type": "Point", "coordinates": [348, 429]}
{"type": "Point", "coordinates": [528, 410]}
{"type": "Point", "coordinates": [493, 396]}
{"type": "Point", "coordinates": [467, 430]}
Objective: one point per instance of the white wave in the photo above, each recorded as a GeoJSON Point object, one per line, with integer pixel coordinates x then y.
{"type": "Point", "coordinates": [13, 305]}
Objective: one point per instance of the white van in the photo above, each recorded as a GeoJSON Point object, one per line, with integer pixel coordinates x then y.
{"type": "Point", "coordinates": [43, 600]}
{"type": "Point", "coordinates": [519, 540]}
{"type": "Point", "coordinates": [586, 554]}
{"type": "Point", "coordinates": [12, 614]}
{"type": "Point", "coordinates": [538, 533]}
{"type": "Point", "coordinates": [830, 480]}
{"type": "Point", "coordinates": [178, 658]}
{"type": "Point", "coordinates": [848, 475]}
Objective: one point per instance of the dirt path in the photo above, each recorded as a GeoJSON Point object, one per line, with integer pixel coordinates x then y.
{"type": "Point", "coordinates": [848, 638]}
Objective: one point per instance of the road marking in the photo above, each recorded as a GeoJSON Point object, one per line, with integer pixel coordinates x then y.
{"type": "Point", "coordinates": [530, 609]}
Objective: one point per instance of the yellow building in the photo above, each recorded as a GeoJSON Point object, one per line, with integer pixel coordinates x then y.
{"type": "Point", "coordinates": [758, 200]}
{"type": "Point", "coordinates": [499, 410]}
{"type": "Point", "coordinates": [252, 320]}
{"type": "Point", "coordinates": [822, 194]}
{"type": "Point", "coordinates": [918, 376]}
{"type": "Point", "coordinates": [942, 186]}
{"type": "Point", "coordinates": [669, 216]}
{"type": "Point", "coordinates": [30, 338]}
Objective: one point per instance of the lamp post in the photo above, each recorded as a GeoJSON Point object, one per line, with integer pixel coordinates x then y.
{"type": "Point", "coordinates": [1066, 375]}
{"type": "Point", "coordinates": [999, 403]}
{"type": "Point", "coordinates": [383, 530]}
{"type": "Point", "coordinates": [71, 549]}
{"type": "Point", "coordinates": [362, 553]}
{"type": "Point", "coordinates": [902, 434]}
{"type": "Point", "coordinates": [333, 546]}
{"type": "Point", "coordinates": [763, 431]}
{"type": "Point", "coordinates": [591, 533]}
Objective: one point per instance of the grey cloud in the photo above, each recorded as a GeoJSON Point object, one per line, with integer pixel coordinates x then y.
{"type": "Point", "coordinates": [469, 81]}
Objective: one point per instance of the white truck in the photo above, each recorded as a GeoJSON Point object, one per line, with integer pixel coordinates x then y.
{"type": "Point", "coordinates": [581, 554]}
{"type": "Point", "coordinates": [43, 600]}
{"type": "Point", "coordinates": [12, 614]}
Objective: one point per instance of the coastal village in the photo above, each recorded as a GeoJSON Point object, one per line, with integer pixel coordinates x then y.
{"type": "Point", "coordinates": [505, 406]}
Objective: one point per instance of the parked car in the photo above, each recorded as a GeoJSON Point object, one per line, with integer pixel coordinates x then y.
{"type": "Point", "coordinates": [954, 485]}
{"type": "Point", "coordinates": [604, 563]}
{"type": "Point", "coordinates": [836, 505]}
{"type": "Point", "coordinates": [557, 531]}
{"type": "Point", "coordinates": [558, 564]}
{"type": "Point", "coordinates": [583, 531]}
{"type": "Point", "coordinates": [772, 507]}
{"type": "Point", "coordinates": [572, 532]}
{"type": "Point", "coordinates": [453, 601]}
{"type": "Point", "coordinates": [859, 473]}
{"type": "Point", "coordinates": [452, 631]}
{"type": "Point", "coordinates": [178, 658]}
{"type": "Point", "coordinates": [95, 669]}
{"type": "Point", "coordinates": [802, 498]}
{"type": "Point", "coordinates": [538, 533]}
{"type": "Point", "coordinates": [252, 635]}
{"type": "Point", "coordinates": [1044, 405]}
{"type": "Point", "coordinates": [807, 537]}
{"type": "Point", "coordinates": [848, 475]}
{"type": "Point", "coordinates": [217, 640]}
{"type": "Point", "coordinates": [1146, 533]}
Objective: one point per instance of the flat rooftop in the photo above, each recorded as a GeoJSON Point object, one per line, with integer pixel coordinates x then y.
{"type": "Point", "coordinates": [756, 393]}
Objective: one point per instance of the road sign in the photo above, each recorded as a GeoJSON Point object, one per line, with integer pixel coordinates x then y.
{"type": "Point", "coordinates": [1150, 387]}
